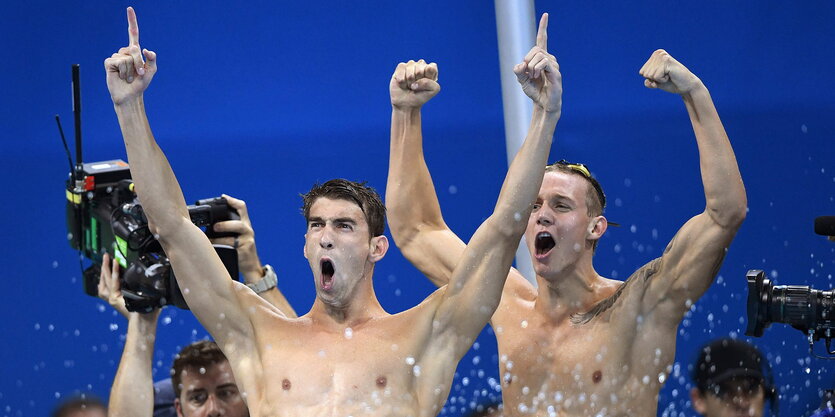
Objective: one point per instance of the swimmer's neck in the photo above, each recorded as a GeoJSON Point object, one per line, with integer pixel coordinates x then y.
{"type": "Point", "coordinates": [573, 290]}
{"type": "Point", "coordinates": [361, 307]}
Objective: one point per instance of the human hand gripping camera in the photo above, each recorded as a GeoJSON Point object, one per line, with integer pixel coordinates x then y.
{"type": "Point", "coordinates": [202, 382]}
{"type": "Point", "coordinates": [132, 393]}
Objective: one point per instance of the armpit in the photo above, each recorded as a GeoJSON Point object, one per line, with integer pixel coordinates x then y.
{"type": "Point", "coordinates": [642, 275]}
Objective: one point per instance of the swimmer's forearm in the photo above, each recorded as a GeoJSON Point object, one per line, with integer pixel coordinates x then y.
{"type": "Point", "coordinates": [524, 177]}
{"type": "Point", "coordinates": [723, 186]}
{"type": "Point", "coordinates": [156, 185]}
{"type": "Point", "coordinates": [410, 192]}
{"type": "Point", "coordinates": [414, 213]}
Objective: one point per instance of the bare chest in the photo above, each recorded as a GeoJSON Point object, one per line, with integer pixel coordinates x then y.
{"type": "Point", "coordinates": [369, 373]}
{"type": "Point", "coordinates": [573, 370]}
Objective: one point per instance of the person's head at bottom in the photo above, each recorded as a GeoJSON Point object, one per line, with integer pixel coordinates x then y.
{"type": "Point", "coordinates": [203, 383]}
{"type": "Point", "coordinates": [81, 406]}
{"type": "Point", "coordinates": [730, 381]}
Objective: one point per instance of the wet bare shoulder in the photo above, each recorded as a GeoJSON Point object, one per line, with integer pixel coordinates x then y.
{"type": "Point", "coordinates": [637, 280]}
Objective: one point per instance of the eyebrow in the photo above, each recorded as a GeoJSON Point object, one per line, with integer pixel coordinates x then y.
{"type": "Point", "coordinates": [348, 220]}
{"type": "Point", "coordinates": [201, 390]}
{"type": "Point", "coordinates": [560, 197]}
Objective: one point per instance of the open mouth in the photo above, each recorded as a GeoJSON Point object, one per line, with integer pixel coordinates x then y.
{"type": "Point", "coordinates": [327, 274]}
{"type": "Point", "coordinates": [544, 243]}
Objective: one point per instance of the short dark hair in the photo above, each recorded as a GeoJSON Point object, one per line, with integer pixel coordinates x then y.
{"type": "Point", "coordinates": [202, 354]}
{"type": "Point", "coordinates": [77, 403]}
{"type": "Point", "coordinates": [357, 192]}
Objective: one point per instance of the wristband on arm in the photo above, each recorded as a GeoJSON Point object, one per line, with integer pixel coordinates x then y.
{"type": "Point", "coordinates": [269, 281]}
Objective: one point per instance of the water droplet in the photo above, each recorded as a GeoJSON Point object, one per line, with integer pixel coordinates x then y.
{"type": "Point", "coordinates": [410, 360]}
{"type": "Point", "coordinates": [524, 324]}
{"type": "Point", "coordinates": [54, 264]}
{"type": "Point", "coordinates": [453, 189]}
{"type": "Point", "coordinates": [416, 370]}
{"type": "Point", "coordinates": [349, 332]}
{"type": "Point", "coordinates": [645, 379]}
{"type": "Point", "coordinates": [202, 371]}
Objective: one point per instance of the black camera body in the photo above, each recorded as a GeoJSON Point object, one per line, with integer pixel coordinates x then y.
{"type": "Point", "coordinates": [802, 307]}
{"type": "Point", "coordinates": [104, 215]}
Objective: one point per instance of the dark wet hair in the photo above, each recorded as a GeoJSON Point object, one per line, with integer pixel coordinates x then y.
{"type": "Point", "coordinates": [77, 403]}
{"type": "Point", "coordinates": [202, 354]}
{"type": "Point", "coordinates": [356, 192]}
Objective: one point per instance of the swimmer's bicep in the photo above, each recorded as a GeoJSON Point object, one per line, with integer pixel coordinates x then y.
{"type": "Point", "coordinates": [687, 268]}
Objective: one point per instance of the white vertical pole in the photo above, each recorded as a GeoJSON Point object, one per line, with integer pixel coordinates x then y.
{"type": "Point", "coordinates": [515, 24]}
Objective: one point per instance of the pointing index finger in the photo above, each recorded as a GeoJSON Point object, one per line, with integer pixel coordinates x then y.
{"type": "Point", "coordinates": [133, 27]}
{"type": "Point", "coordinates": [542, 33]}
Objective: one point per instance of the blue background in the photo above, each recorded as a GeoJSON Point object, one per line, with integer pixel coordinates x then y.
{"type": "Point", "coordinates": [260, 99]}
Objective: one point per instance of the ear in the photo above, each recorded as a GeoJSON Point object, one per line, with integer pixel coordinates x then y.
{"type": "Point", "coordinates": [379, 247]}
{"type": "Point", "coordinates": [698, 401]}
{"type": "Point", "coordinates": [597, 227]}
{"type": "Point", "coordinates": [304, 247]}
{"type": "Point", "coordinates": [178, 407]}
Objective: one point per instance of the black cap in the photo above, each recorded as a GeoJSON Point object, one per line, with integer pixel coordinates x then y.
{"type": "Point", "coordinates": [723, 359]}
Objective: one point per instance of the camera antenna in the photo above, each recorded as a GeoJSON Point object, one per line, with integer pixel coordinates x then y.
{"type": "Point", "coordinates": [66, 147]}
{"type": "Point", "coordinates": [76, 110]}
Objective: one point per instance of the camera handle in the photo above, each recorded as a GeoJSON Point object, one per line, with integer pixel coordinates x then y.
{"type": "Point", "coordinates": [827, 341]}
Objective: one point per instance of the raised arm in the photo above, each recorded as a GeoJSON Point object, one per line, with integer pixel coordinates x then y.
{"type": "Point", "coordinates": [132, 393]}
{"type": "Point", "coordinates": [206, 285]}
{"type": "Point", "coordinates": [414, 215]}
{"type": "Point", "coordinates": [254, 273]}
{"type": "Point", "coordinates": [693, 257]}
{"type": "Point", "coordinates": [476, 284]}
